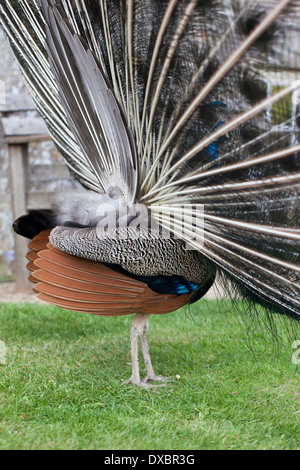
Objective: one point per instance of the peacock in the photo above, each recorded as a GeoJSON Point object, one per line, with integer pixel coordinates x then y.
{"type": "Point", "coordinates": [180, 122]}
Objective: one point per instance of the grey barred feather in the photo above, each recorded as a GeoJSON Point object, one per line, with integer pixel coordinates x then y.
{"type": "Point", "coordinates": [145, 254]}
{"type": "Point", "coordinates": [185, 104]}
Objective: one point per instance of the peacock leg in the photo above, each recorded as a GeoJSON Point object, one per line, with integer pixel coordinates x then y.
{"type": "Point", "coordinates": [135, 378]}
{"type": "Point", "coordinates": [138, 331]}
{"type": "Point", "coordinates": [151, 376]}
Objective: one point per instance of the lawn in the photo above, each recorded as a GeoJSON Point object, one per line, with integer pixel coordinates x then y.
{"type": "Point", "coordinates": [61, 383]}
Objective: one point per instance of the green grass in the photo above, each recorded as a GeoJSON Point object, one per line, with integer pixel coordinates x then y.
{"type": "Point", "coordinates": [61, 386]}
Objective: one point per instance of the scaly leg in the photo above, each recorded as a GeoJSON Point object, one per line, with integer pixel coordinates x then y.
{"type": "Point", "coordinates": [135, 378]}
{"type": "Point", "coordinates": [147, 359]}
{"type": "Point", "coordinates": [138, 331]}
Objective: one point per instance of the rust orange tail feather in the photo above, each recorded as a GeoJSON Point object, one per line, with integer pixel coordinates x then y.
{"type": "Point", "coordinates": [88, 286]}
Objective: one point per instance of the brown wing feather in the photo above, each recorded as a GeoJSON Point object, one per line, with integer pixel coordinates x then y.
{"type": "Point", "coordinates": [87, 286]}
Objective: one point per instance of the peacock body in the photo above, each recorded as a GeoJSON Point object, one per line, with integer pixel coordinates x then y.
{"type": "Point", "coordinates": [180, 120]}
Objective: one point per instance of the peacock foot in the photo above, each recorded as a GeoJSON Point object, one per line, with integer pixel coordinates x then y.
{"type": "Point", "coordinates": [138, 333]}
{"type": "Point", "coordinates": [155, 378]}
{"type": "Point", "coordinates": [146, 382]}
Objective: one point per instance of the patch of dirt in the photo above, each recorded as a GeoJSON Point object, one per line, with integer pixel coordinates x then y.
{"type": "Point", "coordinates": [9, 293]}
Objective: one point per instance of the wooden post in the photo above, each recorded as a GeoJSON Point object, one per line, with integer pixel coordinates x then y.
{"type": "Point", "coordinates": [18, 155]}
{"type": "Point", "coordinates": [18, 133]}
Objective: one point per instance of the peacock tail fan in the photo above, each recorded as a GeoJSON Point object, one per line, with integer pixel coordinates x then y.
{"type": "Point", "coordinates": [195, 105]}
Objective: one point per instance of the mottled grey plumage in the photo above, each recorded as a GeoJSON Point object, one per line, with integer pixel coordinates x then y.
{"type": "Point", "coordinates": [138, 251]}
